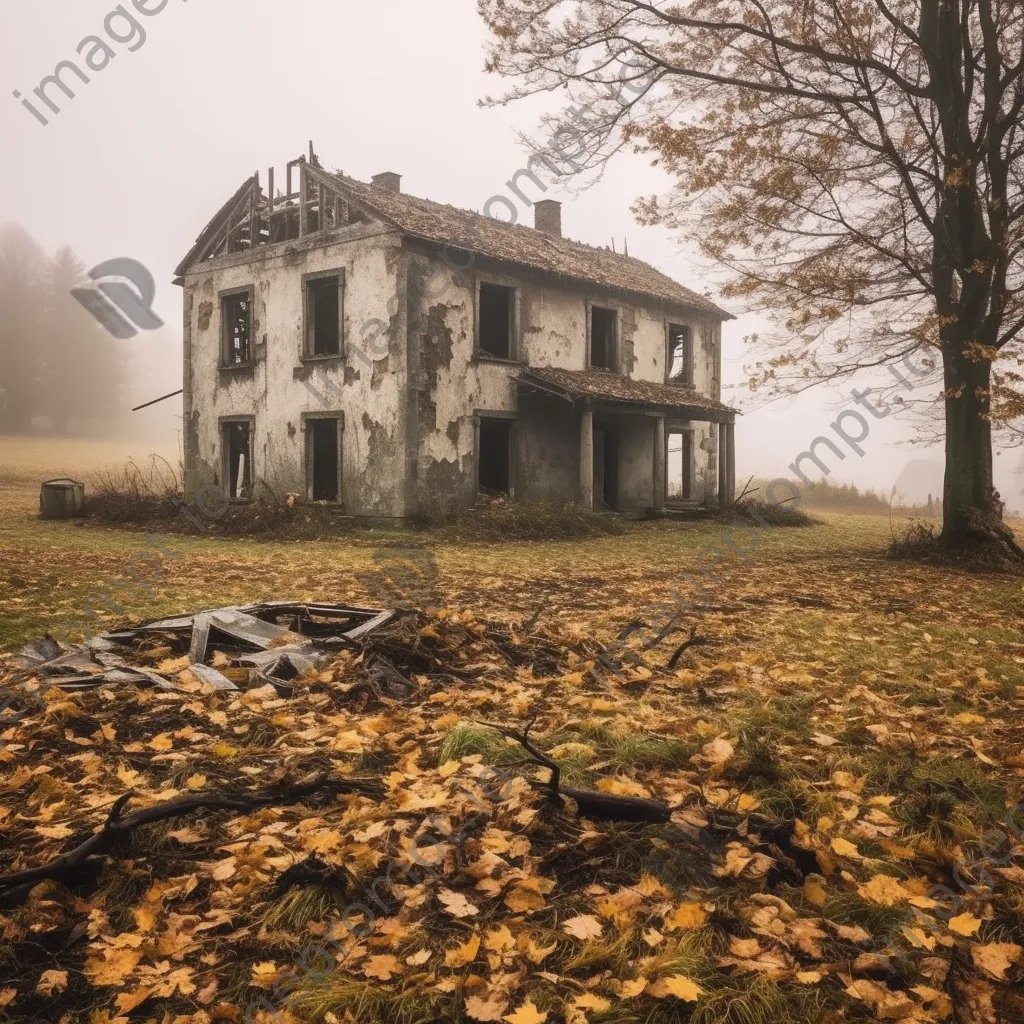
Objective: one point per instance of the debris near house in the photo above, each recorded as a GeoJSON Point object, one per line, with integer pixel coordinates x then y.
{"type": "Point", "coordinates": [231, 649]}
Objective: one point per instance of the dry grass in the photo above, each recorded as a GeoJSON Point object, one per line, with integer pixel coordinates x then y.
{"type": "Point", "coordinates": [815, 634]}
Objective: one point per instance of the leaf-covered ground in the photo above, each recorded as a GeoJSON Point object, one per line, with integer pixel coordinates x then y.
{"type": "Point", "coordinates": [850, 739]}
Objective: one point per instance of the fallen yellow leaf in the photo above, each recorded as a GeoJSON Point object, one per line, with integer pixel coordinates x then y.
{"type": "Point", "coordinates": [526, 1014]}
{"type": "Point", "coordinates": [845, 848]}
{"type": "Point", "coordinates": [681, 987]}
{"type": "Point", "coordinates": [964, 924]}
{"type": "Point", "coordinates": [994, 958]}
{"type": "Point", "coordinates": [584, 926]}
{"type": "Point", "coordinates": [686, 917]}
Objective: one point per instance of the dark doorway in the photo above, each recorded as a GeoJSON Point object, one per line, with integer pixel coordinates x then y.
{"type": "Point", "coordinates": [497, 311]}
{"type": "Point", "coordinates": [680, 462]}
{"type": "Point", "coordinates": [323, 311]}
{"type": "Point", "coordinates": [324, 470]}
{"type": "Point", "coordinates": [606, 467]}
{"type": "Point", "coordinates": [495, 476]}
{"type": "Point", "coordinates": [238, 451]}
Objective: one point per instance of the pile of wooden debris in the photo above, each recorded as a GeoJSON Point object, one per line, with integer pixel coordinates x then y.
{"type": "Point", "coordinates": [226, 648]}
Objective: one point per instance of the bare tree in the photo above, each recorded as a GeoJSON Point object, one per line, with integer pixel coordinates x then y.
{"type": "Point", "coordinates": [855, 164]}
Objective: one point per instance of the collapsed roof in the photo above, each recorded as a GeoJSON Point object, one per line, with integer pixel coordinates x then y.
{"type": "Point", "coordinates": [323, 202]}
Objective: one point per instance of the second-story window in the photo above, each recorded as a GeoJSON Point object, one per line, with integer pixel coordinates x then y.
{"type": "Point", "coordinates": [680, 354]}
{"type": "Point", "coordinates": [497, 320]}
{"type": "Point", "coordinates": [604, 338]}
{"type": "Point", "coordinates": [323, 315]}
{"type": "Point", "coordinates": [236, 327]}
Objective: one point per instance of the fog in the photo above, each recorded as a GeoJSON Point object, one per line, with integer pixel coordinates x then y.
{"type": "Point", "coordinates": [172, 123]}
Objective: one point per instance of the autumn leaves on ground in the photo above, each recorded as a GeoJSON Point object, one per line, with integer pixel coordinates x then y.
{"type": "Point", "coordinates": [848, 738]}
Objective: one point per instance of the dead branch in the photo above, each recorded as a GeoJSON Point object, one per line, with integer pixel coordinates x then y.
{"type": "Point", "coordinates": [591, 804]}
{"type": "Point", "coordinates": [117, 828]}
{"type": "Point", "coordinates": [693, 641]}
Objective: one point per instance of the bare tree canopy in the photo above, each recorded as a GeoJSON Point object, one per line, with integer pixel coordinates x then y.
{"type": "Point", "coordinates": [856, 165]}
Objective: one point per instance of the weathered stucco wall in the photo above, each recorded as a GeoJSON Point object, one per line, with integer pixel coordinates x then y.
{"type": "Point", "coordinates": [410, 386]}
{"type": "Point", "coordinates": [365, 386]}
{"type": "Point", "coordinates": [454, 385]}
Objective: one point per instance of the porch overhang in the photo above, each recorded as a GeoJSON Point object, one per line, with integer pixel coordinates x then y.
{"type": "Point", "coordinates": [614, 392]}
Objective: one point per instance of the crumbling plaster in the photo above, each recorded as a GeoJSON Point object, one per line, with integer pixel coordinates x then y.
{"type": "Point", "coordinates": [410, 385]}
{"type": "Point", "coordinates": [282, 383]}
{"type": "Point", "coordinates": [455, 383]}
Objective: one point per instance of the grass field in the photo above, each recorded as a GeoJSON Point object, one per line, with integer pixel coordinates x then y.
{"type": "Point", "coordinates": [870, 712]}
{"type": "Point", "coordinates": [814, 584]}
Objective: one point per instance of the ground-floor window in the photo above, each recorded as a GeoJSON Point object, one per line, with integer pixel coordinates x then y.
{"type": "Point", "coordinates": [495, 456]}
{"type": "Point", "coordinates": [323, 459]}
{"type": "Point", "coordinates": [236, 440]}
{"type": "Point", "coordinates": [679, 477]}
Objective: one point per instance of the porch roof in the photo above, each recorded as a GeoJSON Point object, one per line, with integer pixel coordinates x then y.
{"type": "Point", "coordinates": [613, 387]}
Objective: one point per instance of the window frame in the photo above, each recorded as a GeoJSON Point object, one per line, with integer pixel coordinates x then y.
{"type": "Point", "coordinates": [689, 377]}
{"type": "Point", "coordinates": [223, 423]}
{"type": "Point", "coordinates": [339, 418]}
{"type": "Point", "coordinates": [306, 349]}
{"type": "Point", "coordinates": [249, 292]}
{"type": "Point", "coordinates": [514, 346]}
{"type": "Point", "coordinates": [616, 359]}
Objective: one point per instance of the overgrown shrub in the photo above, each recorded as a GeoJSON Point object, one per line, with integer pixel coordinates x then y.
{"type": "Point", "coordinates": [915, 542]}
{"type": "Point", "coordinates": [989, 545]}
{"type": "Point", "coordinates": [782, 514]}
{"type": "Point", "coordinates": [134, 494]}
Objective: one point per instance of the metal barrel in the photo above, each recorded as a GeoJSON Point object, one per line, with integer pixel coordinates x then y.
{"type": "Point", "coordinates": [61, 499]}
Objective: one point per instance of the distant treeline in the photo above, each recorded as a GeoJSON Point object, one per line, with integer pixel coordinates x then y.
{"type": "Point", "coordinates": [56, 361]}
{"type": "Point", "coordinates": [826, 495]}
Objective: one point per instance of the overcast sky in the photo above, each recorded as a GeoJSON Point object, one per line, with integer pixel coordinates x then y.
{"type": "Point", "coordinates": [152, 146]}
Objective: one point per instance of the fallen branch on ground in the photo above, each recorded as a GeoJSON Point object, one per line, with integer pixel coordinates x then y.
{"type": "Point", "coordinates": [116, 828]}
{"type": "Point", "coordinates": [601, 806]}
{"type": "Point", "coordinates": [692, 641]}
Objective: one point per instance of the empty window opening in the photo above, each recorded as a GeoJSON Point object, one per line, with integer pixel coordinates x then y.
{"type": "Point", "coordinates": [603, 338]}
{"type": "Point", "coordinates": [497, 312]}
{"type": "Point", "coordinates": [680, 463]}
{"type": "Point", "coordinates": [236, 315]}
{"type": "Point", "coordinates": [239, 459]}
{"type": "Point", "coordinates": [324, 468]}
{"type": "Point", "coordinates": [680, 354]}
{"type": "Point", "coordinates": [323, 316]}
{"type": "Point", "coordinates": [495, 456]}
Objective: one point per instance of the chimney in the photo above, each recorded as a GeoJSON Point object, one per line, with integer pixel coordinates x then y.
{"type": "Point", "coordinates": [547, 217]}
{"type": "Point", "coordinates": [389, 180]}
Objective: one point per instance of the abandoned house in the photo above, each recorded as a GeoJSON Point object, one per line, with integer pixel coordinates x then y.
{"type": "Point", "coordinates": [348, 343]}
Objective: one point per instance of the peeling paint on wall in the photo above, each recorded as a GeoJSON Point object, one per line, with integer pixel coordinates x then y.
{"type": "Point", "coordinates": [409, 437]}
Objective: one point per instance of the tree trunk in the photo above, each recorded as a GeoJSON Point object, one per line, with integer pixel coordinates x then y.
{"type": "Point", "coordinates": [971, 509]}
{"type": "Point", "coordinates": [968, 482]}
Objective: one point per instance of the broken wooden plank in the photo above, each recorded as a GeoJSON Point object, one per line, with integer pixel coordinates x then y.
{"type": "Point", "coordinates": [212, 677]}
{"type": "Point", "coordinates": [200, 638]}
{"type": "Point", "coordinates": [369, 626]}
{"type": "Point", "coordinates": [248, 628]}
